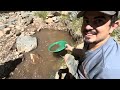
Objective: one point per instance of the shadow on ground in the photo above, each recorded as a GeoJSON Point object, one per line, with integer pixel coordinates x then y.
{"type": "Point", "coordinates": [9, 67]}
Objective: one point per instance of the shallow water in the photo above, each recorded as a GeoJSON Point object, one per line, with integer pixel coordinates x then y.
{"type": "Point", "coordinates": [40, 63]}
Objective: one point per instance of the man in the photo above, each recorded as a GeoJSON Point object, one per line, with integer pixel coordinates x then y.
{"type": "Point", "coordinates": [101, 58]}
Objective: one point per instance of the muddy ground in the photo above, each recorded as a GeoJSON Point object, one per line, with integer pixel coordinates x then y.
{"type": "Point", "coordinates": [45, 64]}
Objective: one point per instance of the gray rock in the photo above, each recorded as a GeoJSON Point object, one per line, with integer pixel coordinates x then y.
{"type": "Point", "coordinates": [56, 13]}
{"type": "Point", "coordinates": [25, 14]}
{"type": "Point", "coordinates": [2, 18]}
{"type": "Point", "coordinates": [55, 19]}
{"type": "Point", "coordinates": [18, 33]}
{"type": "Point", "coordinates": [29, 20]}
{"type": "Point", "coordinates": [26, 43]}
{"type": "Point", "coordinates": [17, 27]}
{"type": "Point", "coordinates": [12, 21]}
{"type": "Point", "coordinates": [73, 15]}
{"type": "Point", "coordinates": [3, 26]}
{"type": "Point", "coordinates": [7, 17]}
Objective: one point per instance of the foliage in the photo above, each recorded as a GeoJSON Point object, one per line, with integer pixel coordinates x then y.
{"type": "Point", "coordinates": [116, 33]}
{"type": "Point", "coordinates": [41, 14]}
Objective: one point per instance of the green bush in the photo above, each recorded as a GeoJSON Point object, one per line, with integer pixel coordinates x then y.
{"type": "Point", "coordinates": [116, 34]}
{"type": "Point", "coordinates": [76, 24]}
{"type": "Point", "coordinates": [41, 14]}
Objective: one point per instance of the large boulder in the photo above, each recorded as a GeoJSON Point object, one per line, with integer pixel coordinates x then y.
{"type": "Point", "coordinates": [26, 43]}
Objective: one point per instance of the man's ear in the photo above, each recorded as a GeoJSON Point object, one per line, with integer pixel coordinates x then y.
{"type": "Point", "coordinates": [115, 25]}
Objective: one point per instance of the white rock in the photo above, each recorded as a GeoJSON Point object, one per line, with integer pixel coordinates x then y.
{"type": "Point", "coordinates": [11, 26]}
{"type": "Point", "coordinates": [22, 29]}
{"type": "Point", "coordinates": [39, 29]}
{"type": "Point", "coordinates": [31, 33]}
{"type": "Point", "coordinates": [49, 20]}
{"type": "Point", "coordinates": [50, 15]}
{"type": "Point", "coordinates": [26, 43]}
{"type": "Point", "coordinates": [64, 12]}
{"type": "Point", "coordinates": [1, 33]}
{"type": "Point", "coordinates": [55, 19]}
{"type": "Point", "coordinates": [18, 27]}
{"type": "Point", "coordinates": [11, 13]}
{"type": "Point", "coordinates": [3, 26]}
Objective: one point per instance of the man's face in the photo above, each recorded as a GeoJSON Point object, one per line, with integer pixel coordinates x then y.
{"type": "Point", "coordinates": [96, 26]}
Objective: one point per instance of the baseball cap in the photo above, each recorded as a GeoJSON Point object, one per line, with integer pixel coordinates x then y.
{"type": "Point", "coordinates": [81, 13]}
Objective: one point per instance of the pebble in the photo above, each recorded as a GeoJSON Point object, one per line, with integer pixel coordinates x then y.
{"type": "Point", "coordinates": [1, 33]}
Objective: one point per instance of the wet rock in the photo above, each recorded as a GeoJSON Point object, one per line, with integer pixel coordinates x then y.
{"type": "Point", "coordinates": [26, 43]}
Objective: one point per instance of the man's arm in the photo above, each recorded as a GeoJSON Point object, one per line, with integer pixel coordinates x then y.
{"type": "Point", "coordinates": [77, 53]}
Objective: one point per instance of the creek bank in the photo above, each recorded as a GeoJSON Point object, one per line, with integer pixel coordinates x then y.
{"type": "Point", "coordinates": [17, 24]}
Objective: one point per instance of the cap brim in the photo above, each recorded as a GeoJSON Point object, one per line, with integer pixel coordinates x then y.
{"type": "Point", "coordinates": [81, 13]}
{"type": "Point", "coordinates": [108, 12]}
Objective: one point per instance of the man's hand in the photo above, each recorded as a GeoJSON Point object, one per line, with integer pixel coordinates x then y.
{"type": "Point", "coordinates": [68, 47]}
